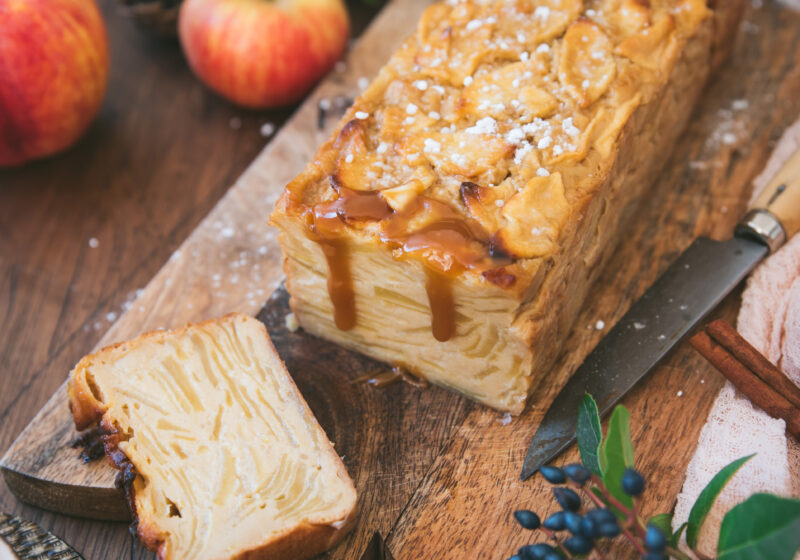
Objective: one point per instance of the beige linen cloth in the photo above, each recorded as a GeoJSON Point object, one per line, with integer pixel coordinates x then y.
{"type": "Point", "coordinates": [769, 319]}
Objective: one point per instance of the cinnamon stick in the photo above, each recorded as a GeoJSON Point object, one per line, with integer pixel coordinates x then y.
{"type": "Point", "coordinates": [747, 382]}
{"type": "Point", "coordinates": [727, 336]}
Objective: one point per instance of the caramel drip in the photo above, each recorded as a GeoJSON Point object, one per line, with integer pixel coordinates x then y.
{"type": "Point", "coordinates": [91, 444]}
{"type": "Point", "coordinates": [440, 299]}
{"type": "Point", "coordinates": [445, 240]}
{"type": "Point", "coordinates": [448, 244]}
{"type": "Point", "coordinates": [340, 283]}
{"type": "Point", "coordinates": [328, 222]}
{"type": "Point", "coordinates": [352, 207]}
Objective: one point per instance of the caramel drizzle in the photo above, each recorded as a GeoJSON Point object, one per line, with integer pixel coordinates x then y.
{"type": "Point", "coordinates": [340, 283]}
{"type": "Point", "coordinates": [447, 244]}
{"type": "Point", "coordinates": [443, 310]}
{"type": "Point", "coordinates": [327, 222]}
{"type": "Point", "coordinates": [91, 444]}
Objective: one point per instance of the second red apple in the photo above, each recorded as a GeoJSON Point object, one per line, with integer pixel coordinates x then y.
{"type": "Point", "coordinates": [262, 53]}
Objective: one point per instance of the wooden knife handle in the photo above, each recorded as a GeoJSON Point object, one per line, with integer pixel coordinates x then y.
{"type": "Point", "coordinates": [781, 197]}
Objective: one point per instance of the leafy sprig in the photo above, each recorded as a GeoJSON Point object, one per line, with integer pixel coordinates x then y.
{"type": "Point", "coordinates": [600, 498]}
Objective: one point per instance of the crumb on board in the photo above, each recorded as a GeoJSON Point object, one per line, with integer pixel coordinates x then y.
{"type": "Point", "coordinates": [267, 129]}
{"type": "Point", "coordinates": [600, 325]}
{"type": "Point", "coordinates": [291, 322]}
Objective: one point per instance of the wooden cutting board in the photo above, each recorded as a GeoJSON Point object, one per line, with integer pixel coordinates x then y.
{"type": "Point", "coordinates": [437, 475]}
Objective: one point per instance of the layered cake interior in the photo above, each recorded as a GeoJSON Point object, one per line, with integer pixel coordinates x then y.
{"type": "Point", "coordinates": [221, 455]}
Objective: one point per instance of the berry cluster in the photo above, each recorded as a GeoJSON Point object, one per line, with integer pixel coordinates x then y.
{"type": "Point", "coordinates": [586, 527]}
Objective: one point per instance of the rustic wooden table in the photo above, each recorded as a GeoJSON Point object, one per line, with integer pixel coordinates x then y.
{"type": "Point", "coordinates": [81, 232]}
{"type": "Point", "coordinates": [166, 150]}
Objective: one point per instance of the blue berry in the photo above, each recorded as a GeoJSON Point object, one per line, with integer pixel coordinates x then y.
{"type": "Point", "coordinates": [588, 528]}
{"type": "Point", "coordinates": [632, 482]}
{"type": "Point", "coordinates": [556, 522]}
{"type": "Point", "coordinates": [567, 498]}
{"type": "Point", "coordinates": [553, 475]}
{"type": "Point", "coordinates": [515, 557]}
{"type": "Point", "coordinates": [600, 516]}
{"type": "Point", "coordinates": [577, 473]}
{"type": "Point", "coordinates": [536, 551]}
{"type": "Point", "coordinates": [527, 519]}
{"type": "Point", "coordinates": [572, 521]}
{"type": "Point", "coordinates": [524, 554]}
{"type": "Point", "coordinates": [609, 530]}
{"type": "Point", "coordinates": [654, 539]}
{"type": "Point", "coordinates": [654, 556]}
{"type": "Point", "coordinates": [578, 545]}
{"type": "Point", "coordinates": [553, 556]}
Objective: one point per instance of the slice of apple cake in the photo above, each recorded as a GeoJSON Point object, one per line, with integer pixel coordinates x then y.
{"type": "Point", "coordinates": [220, 455]}
{"type": "Point", "coordinates": [454, 223]}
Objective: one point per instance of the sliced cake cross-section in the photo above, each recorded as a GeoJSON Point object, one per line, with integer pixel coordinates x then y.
{"type": "Point", "coordinates": [220, 455]}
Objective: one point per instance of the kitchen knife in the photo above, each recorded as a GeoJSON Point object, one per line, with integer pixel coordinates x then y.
{"type": "Point", "coordinates": [689, 289]}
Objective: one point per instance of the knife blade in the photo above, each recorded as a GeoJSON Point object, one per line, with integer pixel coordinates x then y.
{"type": "Point", "coordinates": [650, 328]}
{"type": "Point", "coordinates": [681, 297]}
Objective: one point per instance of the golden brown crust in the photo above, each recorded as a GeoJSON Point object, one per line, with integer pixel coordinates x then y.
{"type": "Point", "coordinates": [304, 541]}
{"type": "Point", "coordinates": [524, 100]}
{"type": "Point", "coordinates": [86, 410]}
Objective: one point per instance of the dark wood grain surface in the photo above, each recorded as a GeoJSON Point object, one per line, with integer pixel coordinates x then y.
{"type": "Point", "coordinates": [161, 153]}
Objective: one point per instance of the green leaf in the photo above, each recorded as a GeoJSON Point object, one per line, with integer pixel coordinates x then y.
{"type": "Point", "coordinates": [663, 521]}
{"type": "Point", "coordinates": [589, 434]}
{"type": "Point", "coordinates": [706, 499]}
{"type": "Point", "coordinates": [676, 536]}
{"type": "Point", "coordinates": [763, 526]}
{"type": "Point", "coordinates": [616, 454]}
{"type": "Point", "coordinates": [599, 493]}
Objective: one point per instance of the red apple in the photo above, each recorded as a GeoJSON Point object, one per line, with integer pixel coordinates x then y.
{"type": "Point", "coordinates": [53, 75]}
{"type": "Point", "coordinates": [262, 53]}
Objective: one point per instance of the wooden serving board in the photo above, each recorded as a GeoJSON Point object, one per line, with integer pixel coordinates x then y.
{"type": "Point", "coordinates": [437, 475]}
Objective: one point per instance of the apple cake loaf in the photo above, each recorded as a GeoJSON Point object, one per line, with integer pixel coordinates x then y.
{"type": "Point", "coordinates": [219, 454]}
{"type": "Point", "coordinates": [456, 219]}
